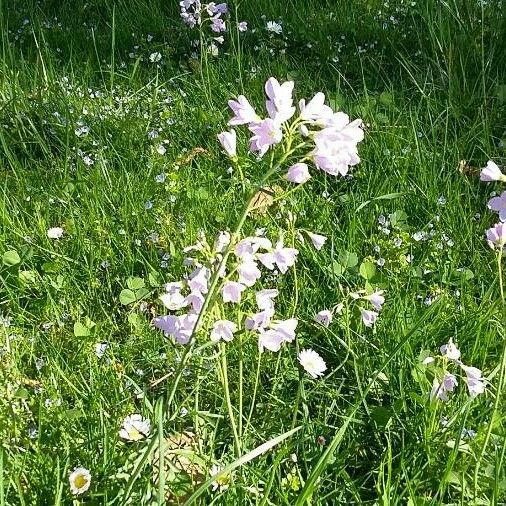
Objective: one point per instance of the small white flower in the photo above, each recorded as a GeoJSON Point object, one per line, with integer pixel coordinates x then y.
{"type": "Point", "coordinates": [100, 349]}
{"type": "Point", "coordinates": [274, 27]}
{"type": "Point", "coordinates": [312, 363]}
{"type": "Point", "coordinates": [55, 233]}
{"type": "Point", "coordinates": [221, 482]}
{"type": "Point", "coordinates": [135, 428]}
{"type": "Point", "coordinates": [80, 480]}
{"type": "Point", "coordinates": [155, 57]}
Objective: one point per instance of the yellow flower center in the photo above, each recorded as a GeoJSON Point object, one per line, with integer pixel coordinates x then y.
{"type": "Point", "coordinates": [80, 481]}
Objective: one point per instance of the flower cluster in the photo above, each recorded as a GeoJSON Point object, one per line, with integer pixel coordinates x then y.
{"type": "Point", "coordinates": [329, 138]}
{"type": "Point", "coordinates": [194, 13]}
{"type": "Point", "coordinates": [445, 381]}
{"type": "Point", "coordinates": [240, 272]}
{"type": "Point", "coordinates": [496, 236]}
{"type": "Point", "coordinates": [369, 316]}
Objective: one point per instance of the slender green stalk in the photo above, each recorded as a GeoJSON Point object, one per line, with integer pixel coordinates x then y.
{"type": "Point", "coordinates": [500, 383]}
{"type": "Point", "coordinates": [224, 377]}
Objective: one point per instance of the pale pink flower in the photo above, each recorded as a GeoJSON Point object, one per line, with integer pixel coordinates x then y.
{"type": "Point", "coordinates": [178, 327]}
{"type": "Point", "coordinates": [259, 320]}
{"type": "Point", "coordinates": [250, 245]}
{"type": "Point", "coordinates": [475, 383]}
{"type": "Point", "coordinates": [218, 25]}
{"type": "Point", "coordinates": [280, 256]}
{"type": "Point", "coordinates": [324, 317]}
{"type": "Point", "coordinates": [242, 26]}
{"type": "Point", "coordinates": [264, 298]}
{"type": "Point", "coordinates": [498, 204]}
{"type": "Point", "coordinates": [248, 271]}
{"type": "Point", "coordinates": [223, 329]}
{"type": "Point", "coordinates": [315, 109]}
{"type": "Point", "coordinates": [376, 299]}
{"type": "Point", "coordinates": [317, 240]}
{"type": "Point", "coordinates": [492, 173]}
{"type": "Point", "coordinates": [368, 317]}
{"type": "Point", "coordinates": [450, 351]}
{"type": "Point", "coordinates": [270, 340]}
{"type": "Point", "coordinates": [243, 111]}
{"type": "Point", "coordinates": [286, 328]}
{"type": "Point", "coordinates": [229, 142]}
{"type": "Point", "coordinates": [267, 132]}
{"type": "Point", "coordinates": [232, 291]}
{"type": "Point", "coordinates": [173, 299]}
{"type": "Point", "coordinates": [168, 324]}
{"type": "Point", "coordinates": [222, 241]}
{"type": "Point", "coordinates": [496, 236]}
{"type": "Point", "coordinates": [186, 326]}
{"type": "Point", "coordinates": [280, 103]}
{"type": "Point", "coordinates": [312, 363]}
{"type": "Point", "coordinates": [334, 152]}
{"type": "Point", "coordinates": [199, 280]}
{"type": "Point", "coordinates": [440, 389]}
{"type": "Point", "coordinates": [196, 299]}
{"type": "Point", "coordinates": [298, 173]}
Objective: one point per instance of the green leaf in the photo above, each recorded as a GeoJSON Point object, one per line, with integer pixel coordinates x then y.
{"type": "Point", "coordinates": [398, 218]}
{"type": "Point", "coordinates": [81, 330]}
{"type": "Point", "coordinates": [141, 293]}
{"type": "Point", "coordinates": [386, 98]}
{"type": "Point", "coordinates": [381, 415]}
{"type": "Point", "coordinates": [135, 320]}
{"type": "Point", "coordinates": [348, 260]}
{"type": "Point", "coordinates": [10, 258]}
{"type": "Point", "coordinates": [127, 297]}
{"type": "Point", "coordinates": [135, 283]}
{"type": "Point", "coordinates": [28, 277]}
{"type": "Point", "coordinates": [155, 279]}
{"type": "Point", "coordinates": [367, 270]}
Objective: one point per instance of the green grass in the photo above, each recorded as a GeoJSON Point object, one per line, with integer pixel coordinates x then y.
{"type": "Point", "coordinates": [432, 92]}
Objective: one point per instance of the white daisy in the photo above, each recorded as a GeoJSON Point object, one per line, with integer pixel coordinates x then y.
{"type": "Point", "coordinates": [135, 428]}
{"type": "Point", "coordinates": [313, 364]}
{"type": "Point", "coordinates": [79, 480]}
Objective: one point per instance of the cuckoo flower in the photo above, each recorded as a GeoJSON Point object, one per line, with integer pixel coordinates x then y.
{"type": "Point", "coordinates": [223, 329]}
{"type": "Point", "coordinates": [376, 299]}
{"type": "Point", "coordinates": [368, 317]}
{"type": "Point", "coordinates": [243, 111]}
{"type": "Point", "coordinates": [317, 240]}
{"type": "Point", "coordinates": [492, 173]}
{"type": "Point", "coordinates": [229, 142]}
{"type": "Point", "coordinates": [231, 291]}
{"type": "Point", "coordinates": [281, 257]}
{"type": "Point", "coordinates": [267, 132]}
{"type": "Point", "coordinates": [248, 271]}
{"type": "Point", "coordinates": [496, 236]}
{"type": "Point", "coordinates": [498, 204]}
{"type": "Point", "coordinates": [315, 110]}
{"type": "Point", "coordinates": [280, 104]}
{"type": "Point", "coordinates": [324, 317]}
{"type": "Point", "coordinates": [298, 173]}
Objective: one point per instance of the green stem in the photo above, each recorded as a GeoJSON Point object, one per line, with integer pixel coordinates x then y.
{"type": "Point", "coordinates": [500, 385]}
{"type": "Point", "coordinates": [216, 276]}
{"type": "Point", "coordinates": [224, 376]}
{"type": "Point", "coordinates": [257, 378]}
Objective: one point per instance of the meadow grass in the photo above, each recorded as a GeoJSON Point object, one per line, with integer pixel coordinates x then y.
{"type": "Point", "coordinates": [428, 78]}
